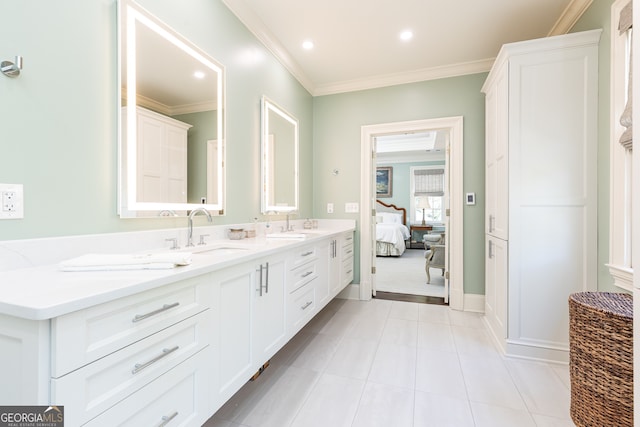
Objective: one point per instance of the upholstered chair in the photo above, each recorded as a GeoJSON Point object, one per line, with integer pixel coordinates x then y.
{"type": "Point", "coordinates": [434, 254]}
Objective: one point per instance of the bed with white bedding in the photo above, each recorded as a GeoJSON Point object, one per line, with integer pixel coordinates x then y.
{"type": "Point", "coordinates": [391, 231]}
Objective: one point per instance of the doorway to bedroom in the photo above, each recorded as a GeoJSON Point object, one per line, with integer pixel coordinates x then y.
{"type": "Point", "coordinates": [411, 201]}
{"type": "Point", "coordinates": [453, 231]}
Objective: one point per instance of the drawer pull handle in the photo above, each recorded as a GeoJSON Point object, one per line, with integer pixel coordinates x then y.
{"type": "Point", "coordinates": [139, 317]}
{"type": "Point", "coordinates": [307, 253]}
{"type": "Point", "coordinates": [304, 307]}
{"type": "Point", "coordinates": [167, 418]}
{"type": "Point", "coordinates": [349, 251]}
{"type": "Point", "coordinates": [165, 352]}
{"type": "Point", "coordinates": [307, 273]}
{"type": "Point", "coordinates": [349, 272]}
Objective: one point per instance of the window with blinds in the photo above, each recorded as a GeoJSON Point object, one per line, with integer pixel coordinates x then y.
{"type": "Point", "coordinates": [429, 182]}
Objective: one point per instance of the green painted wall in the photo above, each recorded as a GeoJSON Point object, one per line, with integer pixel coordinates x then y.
{"type": "Point", "coordinates": [599, 16]}
{"type": "Point", "coordinates": [59, 122]}
{"type": "Point", "coordinates": [59, 118]}
{"type": "Point", "coordinates": [337, 125]}
{"type": "Point", "coordinates": [203, 130]}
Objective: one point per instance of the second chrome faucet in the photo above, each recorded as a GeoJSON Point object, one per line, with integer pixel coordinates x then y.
{"type": "Point", "coordinates": [193, 213]}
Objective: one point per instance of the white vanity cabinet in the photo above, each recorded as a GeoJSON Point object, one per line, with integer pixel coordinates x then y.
{"type": "Point", "coordinates": [268, 313]}
{"type": "Point", "coordinates": [236, 288]}
{"type": "Point", "coordinates": [163, 350]}
{"type": "Point", "coordinates": [251, 319]}
{"type": "Point", "coordinates": [340, 262]}
{"type": "Point", "coordinates": [346, 259]}
{"type": "Point", "coordinates": [541, 190]}
{"type": "Point", "coordinates": [305, 284]}
{"type": "Point", "coordinates": [102, 357]}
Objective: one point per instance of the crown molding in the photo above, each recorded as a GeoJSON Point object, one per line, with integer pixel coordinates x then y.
{"type": "Point", "coordinates": [257, 27]}
{"type": "Point", "coordinates": [569, 17]}
{"type": "Point", "coordinates": [412, 76]}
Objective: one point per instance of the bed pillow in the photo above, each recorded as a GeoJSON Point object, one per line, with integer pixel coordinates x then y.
{"type": "Point", "coordinates": [390, 218]}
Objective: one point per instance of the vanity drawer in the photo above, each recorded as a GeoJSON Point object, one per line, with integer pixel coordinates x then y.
{"type": "Point", "coordinates": [347, 251]}
{"type": "Point", "coordinates": [347, 271]}
{"type": "Point", "coordinates": [302, 256]}
{"type": "Point", "coordinates": [83, 336]}
{"type": "Point", "coordinates": [302, 275]}
{"type": "Point", "coordinates": [302, 306]}
{"type": "Point", "coordinates": [91, 390]}
{"type": "Point", "coordinates": [178, 398]}
{"type": "Point", "coordinates": [347, 246]}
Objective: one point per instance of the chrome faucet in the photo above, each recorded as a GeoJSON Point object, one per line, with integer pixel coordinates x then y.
{"type": "Point", "coordinates": [289, 227]}
{"type": "Point", "coordinates": [191, 215]}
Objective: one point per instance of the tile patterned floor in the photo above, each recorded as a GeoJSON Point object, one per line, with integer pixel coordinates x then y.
{"type": "Point", "coordinates": [392, 363]}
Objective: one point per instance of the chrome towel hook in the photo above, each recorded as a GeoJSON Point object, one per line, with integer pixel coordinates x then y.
{"type": "Point", "coordinates": [11, 69]}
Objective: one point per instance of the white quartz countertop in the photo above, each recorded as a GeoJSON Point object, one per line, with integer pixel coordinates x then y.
{"type": "Point", "coordinates": [45, 292]}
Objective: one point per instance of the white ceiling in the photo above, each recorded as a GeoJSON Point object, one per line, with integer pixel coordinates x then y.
{"type": "Point", "coordinates": [357, 43]}
{"type": "Point", "coordinates": [412, 147]}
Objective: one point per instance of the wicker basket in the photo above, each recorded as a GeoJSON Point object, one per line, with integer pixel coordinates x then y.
{"type": "Point", "coordinates": [601, 359]}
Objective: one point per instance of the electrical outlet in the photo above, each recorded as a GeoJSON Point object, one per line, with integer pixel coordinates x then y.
{"type": "Point", "coordinates": [11, 197]}
{"type": "Point", "coordinates": [9, 201]}
{"type": "Point", "coordinates": [329, 207]}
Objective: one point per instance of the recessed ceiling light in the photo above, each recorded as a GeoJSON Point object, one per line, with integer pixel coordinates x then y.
{"type": "Point", "coordinates": [307, 44]}
{"type": "Point", "coordinates": [406, 35]}
{"type": "Point", "coordinates": [198, 75]}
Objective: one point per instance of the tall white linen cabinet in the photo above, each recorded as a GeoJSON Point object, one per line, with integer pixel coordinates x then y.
{"type": "Point", "coordinates": [541, 190]}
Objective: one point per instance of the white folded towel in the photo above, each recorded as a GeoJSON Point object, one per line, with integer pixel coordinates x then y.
{"type": "Point", "coordinates": [292, 236]}
{"type": "Point", "coordinates": [116, 262]}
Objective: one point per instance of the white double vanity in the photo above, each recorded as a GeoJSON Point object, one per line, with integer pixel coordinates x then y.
{"type": "Point", "coordinates": [169, 346]}
{"type": "Point", "coordinates": [159, 347]}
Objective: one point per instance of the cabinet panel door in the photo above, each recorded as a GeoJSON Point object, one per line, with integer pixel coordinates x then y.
{"type": "Point", "coordinates": [236, 289]}
{"type": "Point", "coordinates": [269, 326]}
{"type": "Point", "coordinates": [324, 277]}
{"type": "Point", "coordinates": [553, 190]}
{"type": "Point", "coordinates": [497, 116]}
{"type": "Point", "coordinates": [334, 267]}
{"type": "Point", "coordinates": [496, 286]}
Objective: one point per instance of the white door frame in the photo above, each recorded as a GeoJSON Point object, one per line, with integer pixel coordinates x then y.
{"type": "Point", "coordinates": [456, 197]}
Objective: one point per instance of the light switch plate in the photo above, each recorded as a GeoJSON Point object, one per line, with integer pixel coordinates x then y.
{"type": "Point", "coordinates": [11, 201]}
{"type": "Point", "coordinates": [351, 207]}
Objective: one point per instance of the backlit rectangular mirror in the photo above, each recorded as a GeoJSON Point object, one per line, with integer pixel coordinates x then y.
{"type": "Point", "coordinates": [279, 159]}
{"type": "Point", "coordinates": [172, 145]}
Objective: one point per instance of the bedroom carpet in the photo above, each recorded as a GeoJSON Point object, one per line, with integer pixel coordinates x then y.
{"type": "Point", "coordinates": [405, 275]}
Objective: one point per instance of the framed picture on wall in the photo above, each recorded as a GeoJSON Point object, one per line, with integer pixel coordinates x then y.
{"type": "Point", "coordinates": [384, 181]}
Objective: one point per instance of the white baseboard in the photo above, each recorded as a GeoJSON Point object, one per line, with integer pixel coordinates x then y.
{"type": "Point", "coordinates": [352, 291]}
{"type": "Point", "coordinates": [474, 302]}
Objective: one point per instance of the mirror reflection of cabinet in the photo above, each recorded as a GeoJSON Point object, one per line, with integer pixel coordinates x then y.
{"type": "Point", "coordinates": [169, 76]}
{"type": "Point", "coordinates": [279, 159]}
{"type": "Point", "coordinates": [161, 158]}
